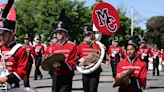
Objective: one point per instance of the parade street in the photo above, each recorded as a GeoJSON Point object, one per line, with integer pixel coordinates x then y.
{"type": "Point", "coordinates": [154, 83]}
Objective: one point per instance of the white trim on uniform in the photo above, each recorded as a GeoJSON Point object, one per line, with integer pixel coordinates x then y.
{"type": "Point", "coordinates": [17, 75]}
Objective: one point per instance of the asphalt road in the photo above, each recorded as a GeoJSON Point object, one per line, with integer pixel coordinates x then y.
{"type": "Point", "coordinates": [154, 83]}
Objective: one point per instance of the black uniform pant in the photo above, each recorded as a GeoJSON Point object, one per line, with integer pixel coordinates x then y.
{"type": "Point", "coordinates": [91, 81]}
{"type": "Point", "coordinates": [132, 87]}
{"type": "Point", "coordinates": [62, 83]}
{"type": "Point", "coordinates": [26, 80]}
{"type": "Point", "coordinates": [155, 67]}
{"type": "Point", "coordinates": [146, 60]}
{"type": "Point", "coordinates": [37, 65]}
{"type": "Point", "coordinates": [128, 88]}
{"type": "Point", "coordinates": [114, 67]}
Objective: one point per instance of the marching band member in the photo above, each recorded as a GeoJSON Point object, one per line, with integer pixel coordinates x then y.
{"type": "Point", "coordinates": [136, 81]}
{"type": "Point", "coordinates": [115, 55]}
{"type": "Point", "coordinates": [31, 58]}
{"type": "Point", "coordinates": [13, 63]}
{"type": "Point", "coordinates": [144, 52]}
{"type": "Point", "coordinates": [39, 50]}
{"type": "Point", "coordinates": [156, 57]}
{"type": "Point", "coordinates": [85, 48]}
{"type": "Point", "coordinates": [53, 41]}
{"type": "Point", "coordinates": [162, 51]}
{"type": "Point", "coordinates": [63, 75]}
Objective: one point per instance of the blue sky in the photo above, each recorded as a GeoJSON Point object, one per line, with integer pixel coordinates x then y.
{"type": "Point", "coordinates": [143, 9]}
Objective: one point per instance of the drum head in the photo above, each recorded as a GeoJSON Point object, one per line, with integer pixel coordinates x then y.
{"type": "Point", "coordinates": [52, 62]}
{"type": "Point", "coordinates": [26, 89]}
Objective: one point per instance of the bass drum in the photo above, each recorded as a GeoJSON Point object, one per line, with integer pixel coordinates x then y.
{"type": "Point", "coordinates": [93, 68]}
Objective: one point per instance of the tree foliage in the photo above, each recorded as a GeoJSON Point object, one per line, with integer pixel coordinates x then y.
{"type": "Point", "coordinates": [124, 32]}
{"type": "Point", "coordinates": [41, 16]}
{"type": "Point", "coordinates": [155, 27]}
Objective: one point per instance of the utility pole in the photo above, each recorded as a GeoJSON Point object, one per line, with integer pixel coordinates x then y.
{"type": "Point", "coordinates": [132, 22]}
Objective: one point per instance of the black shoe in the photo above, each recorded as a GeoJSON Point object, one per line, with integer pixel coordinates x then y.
{"type": "Point", "coordinates": [27, 86]}
{"type": "Point", "coordinates": [41, 77]}
{"type": "Point", "coordinates": [35, 79]}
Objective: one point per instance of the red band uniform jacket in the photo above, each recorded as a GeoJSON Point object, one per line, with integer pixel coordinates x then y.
{"type": "Point", "coordinates": [30, 50]}
{"type": "Point", "coordinates": [146, 51]}
{"type": "Point", "coordinates": [69, 49]}
{"type": "Point", "coordinates": [39, 49]}
{"type": "Point", "coordinates": [140, 70]}
{"type": "Point", "coordinates": [16, 64]}
{"type": "Point", "coordinates": [115, 50]}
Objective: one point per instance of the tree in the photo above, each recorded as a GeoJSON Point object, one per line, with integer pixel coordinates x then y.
{"type": "Point", "coordinates": [124, 32]}
{"type": "Point", "coordinates": [154, 35]}
{"type": "Point", "coordinates": [41, 17]}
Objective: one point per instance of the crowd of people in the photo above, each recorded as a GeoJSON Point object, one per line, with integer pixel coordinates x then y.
{"type": "Point", "coordinates": [18, 59]}
{"type": "Point", "coordinates": [122, 59]}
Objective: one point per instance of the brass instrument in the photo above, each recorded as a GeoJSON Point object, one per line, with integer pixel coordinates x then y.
{"type": "Point", "coordinates": [90, 60]}
{"type": "Point", "coordinates": [122, 79]}
{"type": "Point", "coordinates": [52, 62]}
{"type": "Point", "coordinates": [93, 61]}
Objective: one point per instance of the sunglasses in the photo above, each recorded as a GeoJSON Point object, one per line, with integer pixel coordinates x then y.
{"type": "Point", "coordinates": [87, 34]}
{"type": "Point", "coordinates": [60, 31]}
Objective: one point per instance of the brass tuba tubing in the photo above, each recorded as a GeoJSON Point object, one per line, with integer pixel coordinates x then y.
{"type": "Point", "coordinates": [92, 69]}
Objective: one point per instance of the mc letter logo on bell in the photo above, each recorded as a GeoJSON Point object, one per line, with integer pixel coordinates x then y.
{"type": "Point", "coordinates": [106, 18]}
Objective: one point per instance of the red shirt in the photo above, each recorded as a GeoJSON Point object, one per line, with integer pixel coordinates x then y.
{"type": "Point", "coordinates": [30, 50]}
{"type": "Point", "coordinates": [17, 63]}
{"type": "Point", "coordinates": [39, 49]}
{"type": "Point", "coordinates": [163, 56]}
{"type": "Point", "coordinates": [84, 49]}
{"type": "Point", "coordinates": [69, 49]}
{"type": "Point", "coordinates": [156, 53]}
{"type": "Point", "coordinates": [113, 50]}
{"type": "Point", "coordinates": [125, 56]}
{"type": "Point", "coordinates": [144, 50]}
{"type": "Point", "coordinates": [140, 70]}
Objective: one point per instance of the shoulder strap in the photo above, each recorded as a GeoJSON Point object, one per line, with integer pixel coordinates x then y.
{"type": "Point", "coordinates": [14, 49]}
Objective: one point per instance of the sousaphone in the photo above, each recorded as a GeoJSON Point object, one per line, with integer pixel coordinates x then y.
{"type": "Point", "coordinates": [90, 69]}
{"type": "Point", "coordinates": [106, 20]}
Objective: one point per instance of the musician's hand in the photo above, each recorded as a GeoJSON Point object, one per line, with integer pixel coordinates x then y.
{"type": "Point", "coordinates": [126, 81]}
{"type": "Point", "coordinates": [107, 63]}
{"type": "Point", "coordinates": [120, 75]}
{"type": "Point", "coordinates": [3, 79]}
{"type": "Point", "coordinates": [82, 60]}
